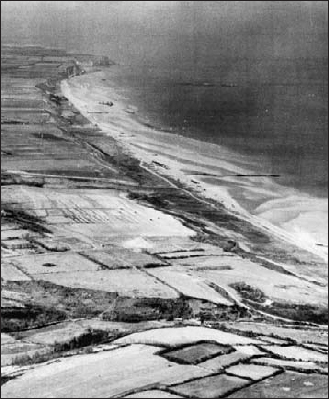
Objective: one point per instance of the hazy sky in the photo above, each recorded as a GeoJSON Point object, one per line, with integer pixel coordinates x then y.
{"type": "Point", "coordinates": [153, 31]}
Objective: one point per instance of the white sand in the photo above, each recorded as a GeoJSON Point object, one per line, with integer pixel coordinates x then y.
{"type": "Point", "coordinates": [302, 222]}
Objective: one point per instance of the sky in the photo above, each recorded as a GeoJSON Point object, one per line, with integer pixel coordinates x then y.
{"type": "Point", "coordinates": [161, 31]}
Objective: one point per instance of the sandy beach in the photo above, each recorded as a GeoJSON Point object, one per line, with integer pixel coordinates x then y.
{"type": "Point", "coordinates": [208, 169]}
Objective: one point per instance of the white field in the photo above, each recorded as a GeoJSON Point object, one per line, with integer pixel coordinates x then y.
{"type": "Point", "coordinates": [7, 339]}
{"type": "Point", "coordinates": [12, 233]}
{"type": "Point", "coordinates": [100, 375]}
{"type": "Point", "coordinates": [220, 362]}
{"type": "Point", "coordinates": [173, 245]}
{"type": "Point", "coordinates": [63, 262]}
{"type": "Point", "coordinates": [115, 257]}
{"type": "Point", "coordinates": [301, 335]}
{"type": "Point", "coordinates": [298, 353]}
{"type": "Point", "coordinates": [172, 337]}
{"type": "Point", "coordinates": [253, 371]}
{"type": "Point", "coordinates": [10, 273]}
{"type": "Point", "coordinates": [225, 270]}
{"type": "Point", "coordinates": [289, 364]}
{"type": "Point", "coordinates": [97, 214]}
{"type": "Point", "coordinates": [126, 282]}
{"type": "Point", "coordinates": [188, 285]}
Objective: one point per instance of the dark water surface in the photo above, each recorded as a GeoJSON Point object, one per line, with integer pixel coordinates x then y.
{"type": "Point", "coordinates": [251, 76]}
{"type": "Point", "coordinates": [282, 124]}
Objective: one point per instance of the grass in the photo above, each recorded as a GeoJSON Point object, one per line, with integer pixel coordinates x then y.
{"type": "Point", "coordinates": [29, 316]}
{"type": "Point", "coordinates": [50, 303]}
{"type": "Point", "coordinates": [135, 310]}
{"type": "Point", "coordinates": [248, 292]}
{"type": "Point", "coordinates": [85, 341]}
{"type": "Point", "coordinates": [152, 199]}
{"type": "Point", "coordinates": [301, 312]}
{"type": "Point", "coordinates": [26, 221]}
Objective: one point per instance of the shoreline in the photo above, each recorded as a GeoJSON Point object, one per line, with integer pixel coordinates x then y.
{"type": "Point", "coordinates": [263, 202]}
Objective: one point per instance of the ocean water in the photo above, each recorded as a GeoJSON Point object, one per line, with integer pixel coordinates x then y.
{"type": "Point", "coordinates": [281, 123]}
